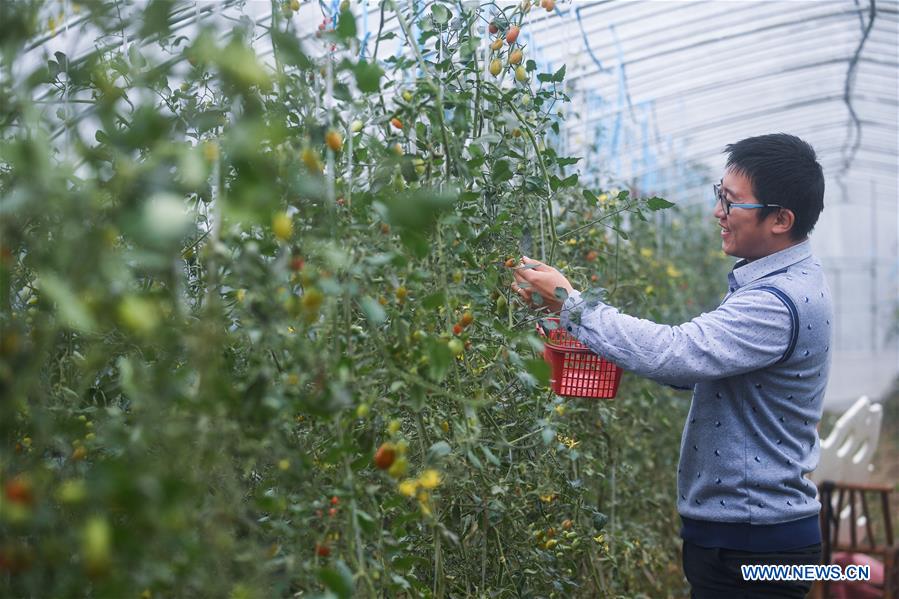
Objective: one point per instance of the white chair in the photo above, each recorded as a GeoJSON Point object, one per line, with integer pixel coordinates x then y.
{"type": "Point", "coordinates": [846, 456]}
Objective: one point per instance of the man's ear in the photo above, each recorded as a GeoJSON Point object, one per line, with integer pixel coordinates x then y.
{"type": "Point", "coordinates": [783, 221]}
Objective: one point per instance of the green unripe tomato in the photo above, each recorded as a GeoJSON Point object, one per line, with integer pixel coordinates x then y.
{"type": "Point", "coordinates": [455, 346]}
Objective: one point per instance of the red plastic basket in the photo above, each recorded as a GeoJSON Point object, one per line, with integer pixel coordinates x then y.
{"type": "Point", "coordinates": [577, 371]}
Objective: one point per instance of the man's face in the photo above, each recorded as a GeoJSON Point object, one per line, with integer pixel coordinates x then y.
{"type": "Point", "coordinates": [742, 236]}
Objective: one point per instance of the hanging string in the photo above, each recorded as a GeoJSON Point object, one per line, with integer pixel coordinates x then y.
{"type": "Point", "coordinates": [363, 44]}
{"type": "Point", "coordinates": [580, 24]}
{"type": "Point", "coordinates": [65, 97]}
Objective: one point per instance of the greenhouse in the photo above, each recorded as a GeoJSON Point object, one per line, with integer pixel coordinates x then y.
{"type": "Point", "coordinates": [407, 298]}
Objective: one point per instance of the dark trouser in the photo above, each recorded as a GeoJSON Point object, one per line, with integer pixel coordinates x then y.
{"type": "Point", "coordinates": [715, 573]}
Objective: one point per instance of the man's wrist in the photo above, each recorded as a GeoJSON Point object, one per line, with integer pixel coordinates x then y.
{"type": "Point", "coordinates": [571, 309]}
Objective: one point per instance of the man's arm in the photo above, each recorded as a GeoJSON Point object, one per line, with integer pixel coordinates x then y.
{"type": "Point", "coordinates": [750, 331]}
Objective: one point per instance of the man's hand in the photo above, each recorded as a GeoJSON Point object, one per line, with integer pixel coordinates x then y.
{"type": "Point", "coordinates": [533, 276]}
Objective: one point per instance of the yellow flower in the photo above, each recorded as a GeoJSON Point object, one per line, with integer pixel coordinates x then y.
{"type": "Point", "coordinates": [560, 410]}
{"type": "Point", "coordinates": [408, 487]}
{"type": "Point", "coordinates": [567, 441]}
{"type": "Point", "coordinates": [646, 252]}
{"type": "Point", "coordinates": [547, 498]}
{"type": "Point", "coordinates": [672, 272]}
{"type": "Point", "coordinates": [649, 289]}
{"type": "Point", "coordinates": [429, 479]}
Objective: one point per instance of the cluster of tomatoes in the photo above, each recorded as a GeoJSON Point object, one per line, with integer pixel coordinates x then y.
{"type": "Point", "coordinates": [467, 319]}
{"type": "Point", "coordinates": [510, 36]}
{"type": "Point", "coordinates": [516, 54]}
{"type": "Point", "coordinates": [550, 538]}
{"type": "Point", "coordinates": [322, 548]}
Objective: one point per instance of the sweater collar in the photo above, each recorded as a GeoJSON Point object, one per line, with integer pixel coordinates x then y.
{"type": "Point", "coordinates": [747, 272]}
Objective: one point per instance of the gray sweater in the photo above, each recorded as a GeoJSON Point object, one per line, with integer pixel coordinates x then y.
{"type": "Point", "coordinates": [758, 368]}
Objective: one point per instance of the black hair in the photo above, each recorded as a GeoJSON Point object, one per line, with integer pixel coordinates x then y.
{"type": "Point", "coordinates": [784, 170]}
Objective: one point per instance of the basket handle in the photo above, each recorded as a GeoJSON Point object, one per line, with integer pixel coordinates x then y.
{"type": "Point", "coordinates": [549, 342]}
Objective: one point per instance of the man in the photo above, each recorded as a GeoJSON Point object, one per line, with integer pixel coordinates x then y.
{"type": "Point", "coordinates": [757, 365]}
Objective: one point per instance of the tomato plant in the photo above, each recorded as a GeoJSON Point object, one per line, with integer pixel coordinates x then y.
{"type": "Point", "coordinates": [229, 291]}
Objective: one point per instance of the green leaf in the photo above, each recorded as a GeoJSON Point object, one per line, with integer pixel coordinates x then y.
{"type": "Point", "coordinates": [469, 47]}
{"type": "Point", "coordinates": [591, 198]}
{"type": "Point", "coordinates": [73, 313]}
{"type": "Point", "coordinates": [289, 51]}
{"type": "Point", "coordinates": [135, 57]}
{"type": "Point", "coordinates": [373, 310]}
{"type": "Point", "coordinates": [366, 522]}
{"type": "Point", "coordinates": [570, 181]}
{"type": "Point", "coordinates": [489, 455]}
{"type": "Point", "coordinates": [501, 171]}
{"type": "Point", "coordinates": [539, 369]}
{"type": "Point", "coordinates": [559, 75]}
{"type": "Point", "coordinates": [440, 14]}
{"type": "Point", "coordinates": [655, 203]}
{"type": "Point", "coordinates": [432, 301]}
{"type": "Point", "coordinates": [156, 18]}
{"type": "Point", "coordinates": [474, 460]}
{"type": "Point", "coordinates": [418, 210]}
{"type": "Point", "coordinates": [406, 562]}
{"type": "Point", "coordinates": [339, 579]}
{"type": "Point", "coordinates": [368, 76]}
{"type": "Point", "coordinates": [535, 342]}
{"type": "Point", "coordinates": [440, 358]}
{"type": "Point", "coordinates": [346, 25]}
{"type": "Point", "coordinates": [439, 450]}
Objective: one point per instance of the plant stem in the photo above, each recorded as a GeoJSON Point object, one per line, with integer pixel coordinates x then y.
{"type": "Point", "coordinates": [552, 227]}
{"type": "Point", "coordinates": [437, 89]}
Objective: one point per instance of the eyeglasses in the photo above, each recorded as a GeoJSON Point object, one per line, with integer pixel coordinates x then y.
{"type": "Point", "coordinates": [727, 205]}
